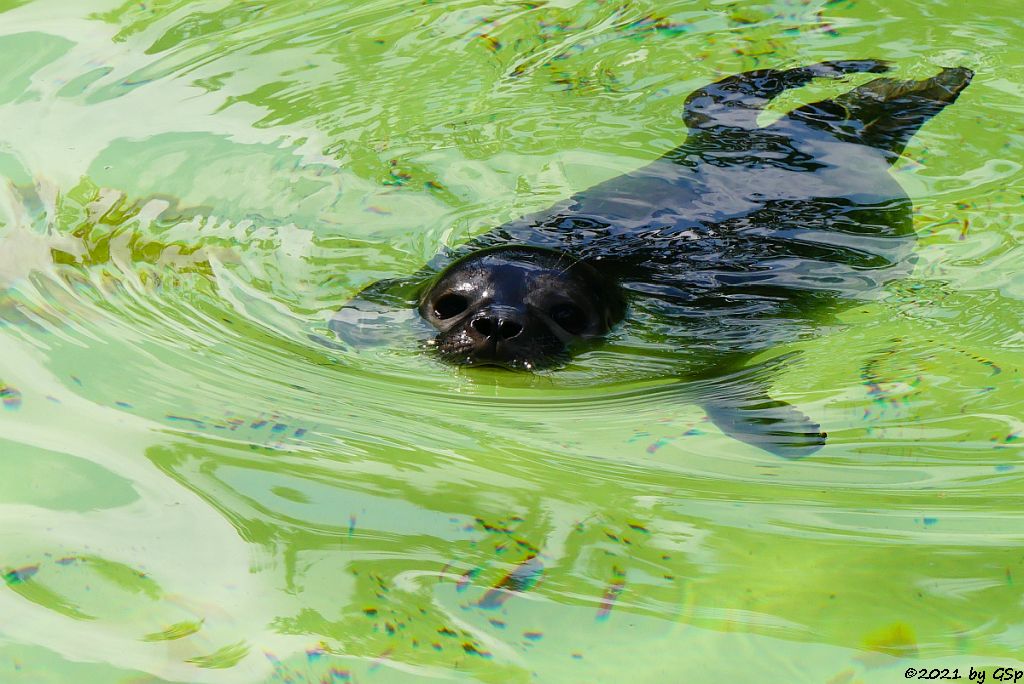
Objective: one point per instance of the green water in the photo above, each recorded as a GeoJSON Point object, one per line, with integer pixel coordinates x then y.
{"type": "Point", "coordinates": [191, 490]}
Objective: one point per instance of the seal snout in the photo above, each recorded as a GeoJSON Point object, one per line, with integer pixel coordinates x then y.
{"type": "Point", "coordinates": [495, 332]}
{"type": "Point", "coordinates": [498, 323]}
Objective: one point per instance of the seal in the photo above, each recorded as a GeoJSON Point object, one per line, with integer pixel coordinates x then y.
{"type": "Point", "coordinates": [727, 245]}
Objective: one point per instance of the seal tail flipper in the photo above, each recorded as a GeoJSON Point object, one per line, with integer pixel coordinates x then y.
{"type": "Point", "coordinates": [737, 100]}
{"type": "Point", "coordinates": [885, 113]}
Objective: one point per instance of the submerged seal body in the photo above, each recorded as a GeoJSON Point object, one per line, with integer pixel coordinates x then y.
{"type": "Point", "coordinates": [729, 244]}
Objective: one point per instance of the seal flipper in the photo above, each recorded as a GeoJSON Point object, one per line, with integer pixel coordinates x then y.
{"type": "Point", "coordinates": [736, 101]}
{"type": "Point", "coordinates": [884, 113]}
{"type": "Point", "coordinates": [372, 317]}
{"type": "Point", "coordinates": [739, 404]}
{"type": "Point", "coordinates": [770, 424]}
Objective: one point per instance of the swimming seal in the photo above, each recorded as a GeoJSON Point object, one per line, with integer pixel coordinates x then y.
{"type": "Point", "coordinates": [725, 246]}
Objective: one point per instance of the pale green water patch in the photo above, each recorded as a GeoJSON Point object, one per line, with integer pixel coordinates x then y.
{"type": "Point", "coordinates": [192, 489]}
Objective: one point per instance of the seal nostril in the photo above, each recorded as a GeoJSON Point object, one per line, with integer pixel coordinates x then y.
{"type": "Point", "coordinates": [484, 325]}
{"type": "Point", "coordinates": [508, 329]}
{"type": "Point", "coordinates": [500, 328]}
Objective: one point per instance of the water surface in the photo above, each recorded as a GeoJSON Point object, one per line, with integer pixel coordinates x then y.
{"type": "Point", "coordinates": [193, 490]}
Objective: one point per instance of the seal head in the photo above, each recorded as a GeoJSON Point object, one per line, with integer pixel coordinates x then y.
{"type": "Point", "coordinates": [518, 307]}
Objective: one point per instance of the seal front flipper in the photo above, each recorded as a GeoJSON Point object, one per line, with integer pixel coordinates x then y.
{"type": "Point", "coordinates": [385, 311]}
{"type": "Point", "coordinates": [741, 408]}
{"type": "Point", "coordinates": [770, 424]}
{"type": "Point", "coordinates": [374, 316]}
{"type": "Point", "coordinates": [884, 113]}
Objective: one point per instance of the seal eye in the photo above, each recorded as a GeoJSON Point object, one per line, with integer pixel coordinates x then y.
{"type": "Point", "coordinates": [569, 317]}
{"type": "Point", "coordinates": [450, 305]}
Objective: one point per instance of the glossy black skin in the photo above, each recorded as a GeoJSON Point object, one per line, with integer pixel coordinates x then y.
{"type": "Point", "coordinates": [730, 244]}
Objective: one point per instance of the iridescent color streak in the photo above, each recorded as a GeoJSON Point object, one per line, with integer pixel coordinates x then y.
{"type": "Point", "coordinates": [467, 579]}
{"type": "Point", "coordinates": [183, 419]}
{"type": "Point", "coordinates": [20, 574]}
{"type": "Point", "coordinates": [379, 660]}
{"type": "Point", "coordinates": [10, 397]}
{"type": "Point", "coordinates": [471, 649]}
{"type": "Point", "coordinates": [522, 578]}
{"type": "Point", "coordinates": [657, 445]}
{"type": "Point", "coordinates": [611, 594]}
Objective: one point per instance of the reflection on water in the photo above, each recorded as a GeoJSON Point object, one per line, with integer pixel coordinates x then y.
{"type": "Point", "coordinates": [193, 490]}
